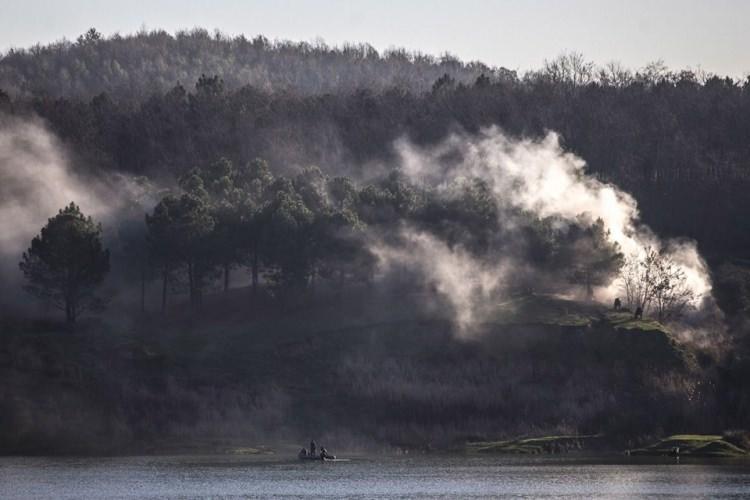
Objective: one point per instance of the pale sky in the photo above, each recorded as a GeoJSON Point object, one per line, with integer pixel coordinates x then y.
{"type": "Point", "coordinates": [711, 35]}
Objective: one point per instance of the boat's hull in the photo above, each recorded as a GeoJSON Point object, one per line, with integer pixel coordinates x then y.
{"type": "Point", "coordinates": [317, 459]}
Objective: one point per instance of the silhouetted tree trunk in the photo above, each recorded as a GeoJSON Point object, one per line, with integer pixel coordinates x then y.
{"type": "Point", "coordinates": [191, 284]}
{"type": "Point", "coordinates": [143, 289]}
{"type": "Point", "coordinates": [255, 270]}
{"type": "Point", "coordinates": [69, 316]}
{"type": "Point", "coordinates": [165, 279]}
{"type": "Point", "coordinates": [71, 311]}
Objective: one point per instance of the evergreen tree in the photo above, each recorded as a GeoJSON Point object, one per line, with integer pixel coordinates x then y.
{"type": "Point", "coordinates": [66, 262]}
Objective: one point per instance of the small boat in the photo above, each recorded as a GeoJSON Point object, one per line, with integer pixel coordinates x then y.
{"type": "Point", "coordinates": [330, 458]}
{"type": "Point", "coordinates": [303, 455]}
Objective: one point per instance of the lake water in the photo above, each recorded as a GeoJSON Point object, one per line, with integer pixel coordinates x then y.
{"type": "Point", "coordinates": [188, 477]}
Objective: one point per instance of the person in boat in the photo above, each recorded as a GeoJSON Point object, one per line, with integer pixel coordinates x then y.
{"type": "Point", "coordinates": [324, 454]}
{"type": "Point", "coordinates": [312, 447]}
{"type": "Point", "coordinates": [303, 453]}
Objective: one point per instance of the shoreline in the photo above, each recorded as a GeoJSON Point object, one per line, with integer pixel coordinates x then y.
{"type": "Point", "coordinates": [694, 447]}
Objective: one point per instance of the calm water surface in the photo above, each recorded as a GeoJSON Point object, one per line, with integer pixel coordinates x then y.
{"type": "Point", "coordinates": [188, 477]}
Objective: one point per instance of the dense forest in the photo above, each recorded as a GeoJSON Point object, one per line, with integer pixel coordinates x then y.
{"type": "Point", "coordinates": [260, 192]}
{"type": "Point", "coordinates": [134, 67]}
{"type": "Point", "coordinates": [673, 139]}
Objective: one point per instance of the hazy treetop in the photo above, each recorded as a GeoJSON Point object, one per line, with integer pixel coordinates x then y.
{"type": "Point", "coordinates": [138, 65]}
{"type": "Point", "coordinates": [513, 34]}
{"type": "Point", "coordinates": [133, 67]}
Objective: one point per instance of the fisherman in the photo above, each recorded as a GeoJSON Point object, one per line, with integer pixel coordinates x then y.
{"type": "Point", "coordinates": [618, 304]}
{"type": "Point", "coordinates": [324, 454]}
{"type": "Point", "coordinates": [303, 453]}
{"type": "Point", "coordinates": [312, 447]}
{"type": "Point", "coordinates": [639, 313]}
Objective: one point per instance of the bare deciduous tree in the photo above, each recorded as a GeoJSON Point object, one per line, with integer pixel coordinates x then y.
{"type": "Point", "coordinates": [656, 282]}
{"type": "Point", "coordinates": [569, 69]}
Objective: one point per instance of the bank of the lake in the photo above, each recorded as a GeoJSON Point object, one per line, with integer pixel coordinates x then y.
{"type": "Point", "coordinates": [704, 446]}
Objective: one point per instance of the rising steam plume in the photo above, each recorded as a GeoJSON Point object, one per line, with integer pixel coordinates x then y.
{"type": "Point", "coordinates": [535, 176]}
{"type": "Point", "coordinates": [37, 180]}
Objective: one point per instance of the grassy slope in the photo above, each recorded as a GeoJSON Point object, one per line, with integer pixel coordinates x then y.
{"type": "Point", "coordinates": [551, 310]}
{"type": "Point", "coordinates": [278, 345]}
{"type": "Point", "coordinates": [311, 339]}
{"type": "Point", "coordinates": [190, 364]}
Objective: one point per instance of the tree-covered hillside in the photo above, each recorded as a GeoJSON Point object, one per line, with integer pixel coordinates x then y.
{"type": "Point", "coordinates": [133, 67]}
{"type": "Point", "coordinates": [157, 104]}
{"type": "Point", "coordinates": [259, 237]}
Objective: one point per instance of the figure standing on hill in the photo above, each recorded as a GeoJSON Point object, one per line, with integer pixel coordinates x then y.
{"type": "Point", "coordinates": [618, 304]}
{"type": "Point", "coordinates": [639, 313]}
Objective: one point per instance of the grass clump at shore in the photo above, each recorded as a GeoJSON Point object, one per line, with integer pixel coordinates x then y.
{"type": "Point", "coordinates": [533, 446]}
{"type": "Point", "coordinates": [693, 445]}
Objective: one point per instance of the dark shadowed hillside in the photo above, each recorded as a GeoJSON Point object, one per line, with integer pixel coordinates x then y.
{"type": "Point", "coordinates": [362, 371]}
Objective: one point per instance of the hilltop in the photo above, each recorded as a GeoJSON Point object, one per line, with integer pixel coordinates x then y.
{"type": "Point", "coordinates": [135, 66]}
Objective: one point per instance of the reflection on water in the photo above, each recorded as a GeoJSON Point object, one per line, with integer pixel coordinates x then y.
{"type": "Point", "coordinates": [188, 477]}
